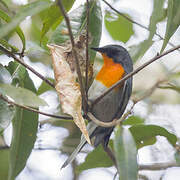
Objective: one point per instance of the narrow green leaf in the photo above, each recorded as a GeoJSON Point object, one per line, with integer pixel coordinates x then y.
{"type": "Point", "coordinates": [126, 154]}
{"type": "Point", "coordinates": [25, 125]}
{"type": "Point", "coordinates": [27, 10]}
{"type": "Point", "coordinates": [155, 17]}
{"type": "Point", "coordinates": [170, 86]}
{"type": "Point", "coordinates": [118, 27]}
{"type": "Point", "coordinates": [173, 21]}
{"type": "Point", "coordinates": [3, 2]}
{"type": "Point", "coordinates": [146, 134]}
{"type": "Point", "coordinates": [18, 30]}
{"type": "Point", "coordinates": [22, 96]}
{"type": "Point", "coordinates": [8, 46]}
{"type": "Point", "coordinates": [45, 87]}
{"type": "Point", "coordinates": [78, 25]}
{"type": "Point", "coordinates": [96, 158]}
{"type": "Point", "coordinates": [177, 157]}
{"type": "Point", "coordinates": [4, 157]}
{"type": "Point", "coordinates": [139, 50]}
{"type": "Point", "coordinates": [37, 53]}
{"type": "Point", "coordinates": [54, 16]}
{"type": "Point", "coordinates": [7, 113]}
{"type": "Point", "coordinates": [5, 76]}
{"type": "Point", "coordinates": [132, 120]}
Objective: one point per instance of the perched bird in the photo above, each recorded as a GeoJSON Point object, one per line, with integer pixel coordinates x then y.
{"type": "Point", "coordinates": [117, 63]}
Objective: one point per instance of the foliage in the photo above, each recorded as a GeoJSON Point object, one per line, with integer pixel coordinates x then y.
{"type": "Point", "coordinates": [47, 25]}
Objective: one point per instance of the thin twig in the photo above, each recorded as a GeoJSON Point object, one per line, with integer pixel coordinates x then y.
{"type": "Point", "coordinates": [134, 22]}
{"type": "Point", "coordinates": [74, 54]}
{"type": "Point", "coordinates": [32, 109]}
{"type": "Point", "coordinates": [10, 54]}
{"type": "Point", "coordinates": [158, 166]}
{"type": "Point", "coordinates": [133, 73]}
{"type": "Point", "coordinates": [135, 101]}
{"type": "Point", "coordinates": [87, 50]}
{"type": "Point", "coordinates": [4, 147]}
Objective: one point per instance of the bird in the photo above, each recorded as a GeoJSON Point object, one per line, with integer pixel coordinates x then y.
{"type": "Point", "coordinates": [117, 64]}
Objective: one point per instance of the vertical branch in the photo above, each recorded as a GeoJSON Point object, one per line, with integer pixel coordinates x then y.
{"type": "Point", "coordinates": [84, 101]}
{"type": "Point", "coordinates": [87, 51]}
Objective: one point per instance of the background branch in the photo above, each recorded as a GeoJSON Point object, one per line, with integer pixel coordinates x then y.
{"type": "Point", "coordinates": [133, 73]}
{"type": "Point", "coordinates": [19, 60]}
{"type": "Point", "coordinates": [134, 22]}
{"type": "Point", "coordinates": [158, 166]}
{"type": "Point", "coordinates": [84, 101]}
{"type": "Point", "coordinates": [87, 50]}
{"type": "Point", "coordinates": [32, 109]}
{"type": "Point", "coordinates": [135, 101]}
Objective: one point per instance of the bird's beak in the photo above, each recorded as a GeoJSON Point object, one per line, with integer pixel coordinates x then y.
{"type": "Point", "coordinates": [101, 50]}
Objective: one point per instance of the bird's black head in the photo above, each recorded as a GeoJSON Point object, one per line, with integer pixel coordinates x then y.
{"type": "Point", "coordinates": [118, 54]}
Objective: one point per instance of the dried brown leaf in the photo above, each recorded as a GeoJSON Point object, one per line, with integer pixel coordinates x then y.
{"type": "Point", "coordinates": [67, 88]}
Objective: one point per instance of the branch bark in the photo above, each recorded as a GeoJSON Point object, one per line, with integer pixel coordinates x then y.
{"type": "Point", "coordinates": [134, 22]}
{"type": "Point", "coordinates": [133, 73]}
{"type": "Point", "coordinates": [84, 101]}
{"type": "Point", "coordinates": [87, 50]}
{"type": "Point", "coordinates": [158, 166]}
{"type": "Point", "coordinates": [19, 60]}
{"type": "Point", "coordinates": [33, 110]}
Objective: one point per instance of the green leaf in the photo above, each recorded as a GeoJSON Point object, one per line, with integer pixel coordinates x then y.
{"type": "Point", "coordinates": [132, 120]}
{"type": "Point", "coordinates": [177, 157]}
{"type": "Point", "coordinates": [54, 16]}
{"type": "Point", "coordinates": [155, 17]}
{"type": "Point", "coordinates": [36, 53]}
{"type": "Point", "coordinates": [8, 46]}
{"type": "Point", "coordinates": [22, 96]}
{"type": "Point", "coordinates": [170, 86]}
{"type": "Point", "coordinates": [5, 76]}
{"type": "Point", "coordinates": [45, 87]}
{"type": "Point", "coordinates": [78, 25]}
{"type": "Point", "coordinates": [3, 2]}
{"type": "Point", "coordinates": [96, 158]}
{"type": "Point", "coordinates": [173, 21]}
{"type": "Point", "coordinates": [18, 30]}
{"type": "Point", "coordinates": [27, 10]}
{"type": "Point", "coordinates": [7, 113]}
{"type": "Point", "coordinates": [118, 27]}
{"type": "Point", "coordinates": [139, 50]}
{"type": "Point", "coordinates": [126, 154]}
{"type": "Point", "coordinates": [25, 125]}
{"type": "Point", "coordinates": [146, 134]}
{"type": "Point", "coordinates": [4, 157]}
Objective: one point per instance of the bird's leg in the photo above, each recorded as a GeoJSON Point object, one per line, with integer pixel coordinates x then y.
{"type": "Point", "coordinates": [110, 154]}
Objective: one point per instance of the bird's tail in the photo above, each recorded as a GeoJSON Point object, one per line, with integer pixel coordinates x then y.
{"type": "Point", "coordinates": [91, 127]}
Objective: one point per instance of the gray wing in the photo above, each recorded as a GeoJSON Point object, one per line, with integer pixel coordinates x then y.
{"type": "Point", "coordinates": [112, 110]}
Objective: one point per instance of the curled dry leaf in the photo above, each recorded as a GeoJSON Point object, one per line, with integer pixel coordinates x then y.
{"type": "Point", "coordinates": [80, 44]}
{"type": "Point", "coordinates": [67, 88]}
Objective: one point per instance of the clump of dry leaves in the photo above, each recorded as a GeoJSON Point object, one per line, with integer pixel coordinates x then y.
{"type": "Point", "coordinates": [66, 79]}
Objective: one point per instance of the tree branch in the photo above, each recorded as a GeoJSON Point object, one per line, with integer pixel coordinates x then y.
{"type": "Point", "coordinates": [10, 54]}
{"type": "Point", "coordinates": [74, 54]}
{"type": "Point", "coordinates": [87, 50]}
{"type": "Point", "coordinates": [119, 121]}
{"type": "Point", "coordinates": [32, 109]}
{"type": "Point", "coordinates": [133, 73]}
{"type": "Point", "coordinates": [134, 22]}
{"type": "Point", "coordinates": [158, 166]}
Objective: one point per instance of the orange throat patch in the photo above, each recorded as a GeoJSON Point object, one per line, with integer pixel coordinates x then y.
{"type": "Point", "coordinates": [110, 73]}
